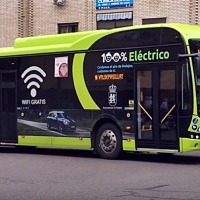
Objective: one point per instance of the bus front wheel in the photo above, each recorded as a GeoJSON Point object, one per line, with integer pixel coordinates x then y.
{"type": "Point", "coordinates": [109, 141]}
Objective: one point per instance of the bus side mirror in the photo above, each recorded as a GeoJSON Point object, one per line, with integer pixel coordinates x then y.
{"type": "Point", "coordinates": [197, 65]}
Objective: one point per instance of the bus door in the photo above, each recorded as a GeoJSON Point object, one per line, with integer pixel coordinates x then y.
{"type": "Point", "coordinates": [8, 106]}
{"type": "Point", "coordinates": [156, 108]}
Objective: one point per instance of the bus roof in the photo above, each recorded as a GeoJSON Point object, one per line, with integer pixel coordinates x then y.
{"type": "Point", "coordinates": [81, 40]}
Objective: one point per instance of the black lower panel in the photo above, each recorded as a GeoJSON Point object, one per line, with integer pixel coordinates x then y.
{"type": "Point", "coordinates": [8, 127]}
{"type": "Point", "coordinates": [8, 106]}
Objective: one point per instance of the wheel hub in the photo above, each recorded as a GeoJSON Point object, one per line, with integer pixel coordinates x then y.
{"type": "Point", "coordinates": [108, 141]}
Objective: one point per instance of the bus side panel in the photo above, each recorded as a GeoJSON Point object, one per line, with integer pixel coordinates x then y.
{"type": "Point", "coordinates": [55, 113]}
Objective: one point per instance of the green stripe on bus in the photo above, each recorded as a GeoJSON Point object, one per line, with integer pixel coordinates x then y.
{"type": "Point", "coordinates": [129, 146]}
{"type": "Point", "coordinates": [79, 83]}
{"type": "Point", "coordinates": [45, 141]}
{"type": "Point", "coordinates": [187, 144]}
{"type": "Point", "coordinates": [68, 142]}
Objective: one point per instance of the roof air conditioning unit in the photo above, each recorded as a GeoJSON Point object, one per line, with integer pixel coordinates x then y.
{"type": "Point", "coordinates": [59, 2]}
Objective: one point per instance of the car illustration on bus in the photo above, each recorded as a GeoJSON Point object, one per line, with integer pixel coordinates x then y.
{"type": "Point", "coordinates": [59, 121]}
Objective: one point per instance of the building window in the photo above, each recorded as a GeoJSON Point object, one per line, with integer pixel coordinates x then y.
{"type": "Point", "coordinates": [114, 24]}
{"type": "Point", "coordinates": [114, 20]}
{"type": "Point", "coordinates": [67, 28]}
{"type": "Point", "coordinates": [154, 20]}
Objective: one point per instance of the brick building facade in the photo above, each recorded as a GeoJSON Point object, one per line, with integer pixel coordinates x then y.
{"type": "Point", "coordinates": [23, 18]}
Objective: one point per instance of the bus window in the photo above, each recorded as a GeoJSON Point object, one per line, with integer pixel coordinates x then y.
{"type": "Point", "coordinates": [129, 38]}
{"type": "Point", "coordinates": [194, 48]}
{"type": "Point", "coordinates": [186, 90]}
{"type": "Point", "coordinates": [170, 36]}
{"type": "Point", "coordinates": [198, 92]}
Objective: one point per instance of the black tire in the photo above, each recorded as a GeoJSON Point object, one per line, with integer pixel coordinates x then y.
{"type": "Point", "coordinates": [112, 130]}
{"type": "Point", "coordinates": [60, 129]}
{"type": "Point", "coordinates": [48, 126]}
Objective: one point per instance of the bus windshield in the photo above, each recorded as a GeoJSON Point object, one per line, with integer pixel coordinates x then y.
{"type": "Point", "coordinates": [195, 48]}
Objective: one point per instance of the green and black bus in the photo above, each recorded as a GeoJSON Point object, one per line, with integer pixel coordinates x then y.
{"type": "Point", "coordinates": [133, 89]}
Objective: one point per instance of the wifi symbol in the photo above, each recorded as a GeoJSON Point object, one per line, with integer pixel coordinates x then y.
{"type": "Point", "coordinates": [33, 84]}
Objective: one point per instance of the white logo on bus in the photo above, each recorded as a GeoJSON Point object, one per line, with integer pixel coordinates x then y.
{"type": "Point", "coordinates": [116, 57]}
{"type": "Point", "coordinates": [112, 95]}
{"type": "Point", "coordinates": [33, 84]}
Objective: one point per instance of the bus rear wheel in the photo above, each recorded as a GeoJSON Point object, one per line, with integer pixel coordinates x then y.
{"type": "Point", "coordinates": [109, 141]}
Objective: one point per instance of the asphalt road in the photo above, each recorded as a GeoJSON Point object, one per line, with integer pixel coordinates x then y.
{"type": "Point", "coordinates": [62, 174]}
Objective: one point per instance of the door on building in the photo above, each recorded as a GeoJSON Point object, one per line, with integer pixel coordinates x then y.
{"type": "Point", "coordinates": [156, 108]}
{"type": "Point", "coordinates": [8, 107]}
